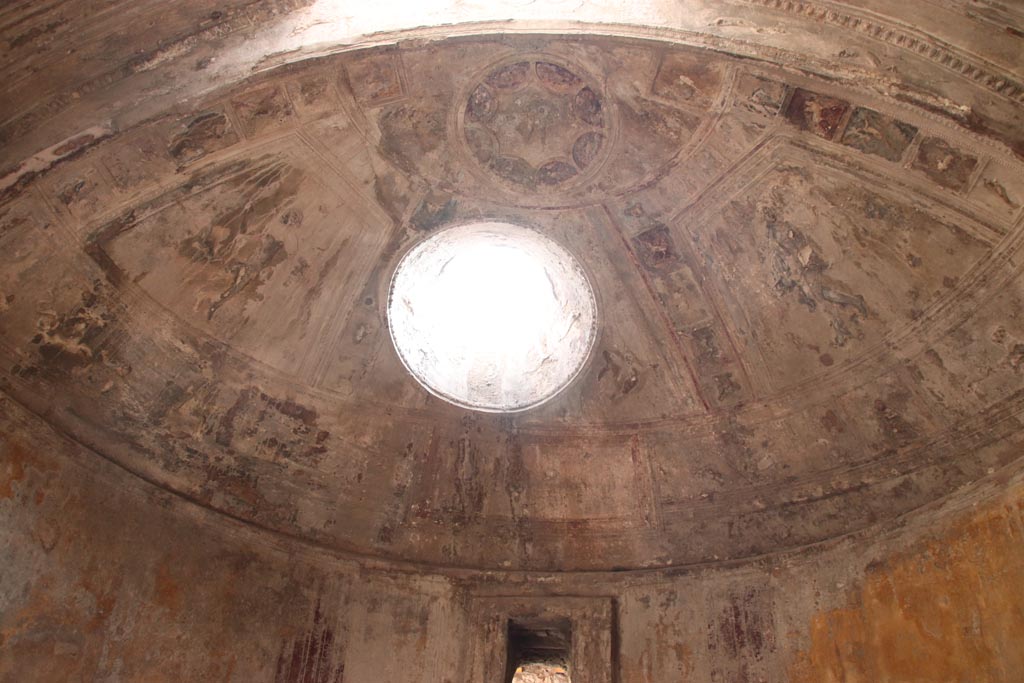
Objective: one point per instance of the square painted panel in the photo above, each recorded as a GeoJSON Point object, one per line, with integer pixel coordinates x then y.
{"type": "Point", "coordinates": [878, 134]}
{"type": "Point", "coordinates": [819, 114]}
{"type": "Point", "coordinates": [944, 164]}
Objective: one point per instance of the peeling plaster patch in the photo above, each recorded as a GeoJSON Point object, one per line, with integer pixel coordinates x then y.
{"type": "Point", "coordinates": [262, 110]}
{"type": "Point", "coordinates": [375, 78]}
{"type": "Point", "coordinates": [201, 134]}
{"type": "Point", "coordinates": [687, 77]}
{"type": "Point", "coordinates": [24, 171]}
{"type": "Point", "coordinates": [435, 210]}
{"type": "Point", "coordinates": [759, 95]}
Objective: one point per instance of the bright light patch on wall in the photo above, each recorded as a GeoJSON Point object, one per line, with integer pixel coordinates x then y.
{"type": "Point", "coordinates": [491, 316]}
{"type": "Point", "coordinates": [334, 21]}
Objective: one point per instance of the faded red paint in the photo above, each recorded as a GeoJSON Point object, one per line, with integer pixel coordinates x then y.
{"type": "Point", "coordinates": [166, 589]}
{"type": "Point", "coordinates": [311, 658]}
{"type": "Point", "coordinates": [74, 144]}
{"type": "Point", "coordinates": [15, 461]}
{"type": "Point", "coordinates": [12, 469]}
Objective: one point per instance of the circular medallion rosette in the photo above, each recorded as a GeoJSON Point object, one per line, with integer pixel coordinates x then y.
{"type": "Point", "coordinates": [536, 124]}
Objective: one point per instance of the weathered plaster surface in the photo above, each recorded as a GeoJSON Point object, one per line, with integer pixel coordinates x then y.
{"type": "Point", "coordinates": [808, 304]}
{"type": "Point", "coordinates": [803, 224]}
{"type": "Point", "coordinates": [109, 578]}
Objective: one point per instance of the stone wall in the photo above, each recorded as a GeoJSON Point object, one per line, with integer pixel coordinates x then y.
{"type": "Point", "coordinates": [107, 578]}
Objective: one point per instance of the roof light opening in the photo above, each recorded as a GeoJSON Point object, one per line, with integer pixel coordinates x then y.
{"type": "Point", "coordinates": [492, 316]}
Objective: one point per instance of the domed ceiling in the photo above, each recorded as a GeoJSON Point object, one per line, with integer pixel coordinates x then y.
{"type": "Point", "coordinates": [810, 305]}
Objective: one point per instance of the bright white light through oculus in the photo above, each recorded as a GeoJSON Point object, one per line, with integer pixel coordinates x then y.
{"type": "Point", "coordinates": [491, 316]}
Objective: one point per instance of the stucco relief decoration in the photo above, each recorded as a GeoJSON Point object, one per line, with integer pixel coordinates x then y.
{"type": "Point", "coordinates": [536, 124]}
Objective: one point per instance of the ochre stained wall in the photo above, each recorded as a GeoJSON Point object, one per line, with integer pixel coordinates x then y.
{"type": "Point", "coordinates": [949, 609]}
